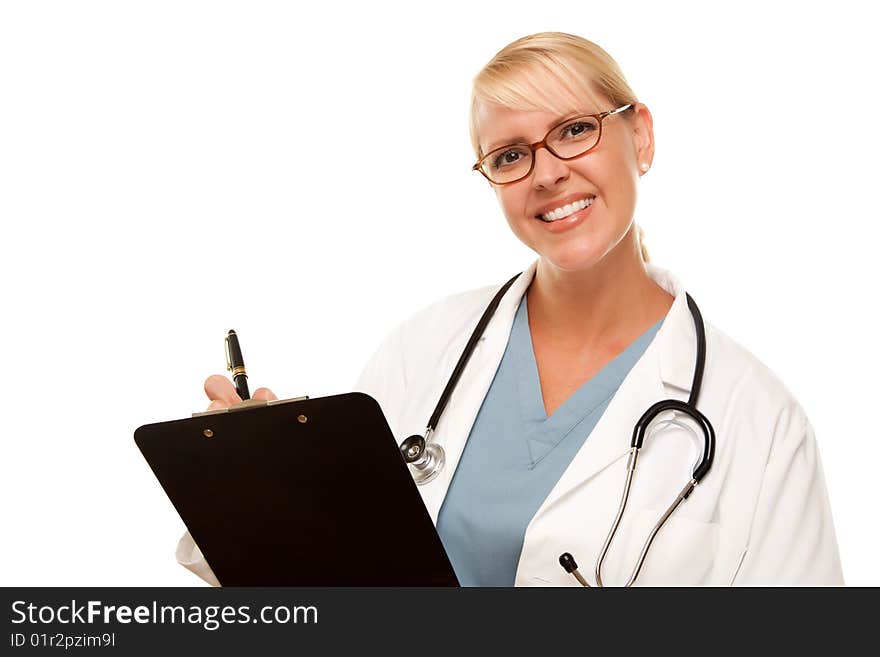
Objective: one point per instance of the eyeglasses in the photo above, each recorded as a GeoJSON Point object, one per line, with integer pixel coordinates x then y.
{"type": "Point", "coordinates": [567, 140]}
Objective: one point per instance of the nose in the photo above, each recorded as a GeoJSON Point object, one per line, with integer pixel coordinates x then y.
{"type": "Point", "coordinates": [549, 170]}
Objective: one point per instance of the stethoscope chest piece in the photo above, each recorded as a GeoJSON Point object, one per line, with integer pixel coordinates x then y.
{"type": "Point", "coordinates": [425, 460]}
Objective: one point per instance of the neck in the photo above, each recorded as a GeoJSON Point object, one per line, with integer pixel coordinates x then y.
{"type": "Point", "coordinates": [602, 308]}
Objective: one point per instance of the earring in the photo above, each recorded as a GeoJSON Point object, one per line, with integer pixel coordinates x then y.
{"type": "Point", "coordinates": [645, 166]}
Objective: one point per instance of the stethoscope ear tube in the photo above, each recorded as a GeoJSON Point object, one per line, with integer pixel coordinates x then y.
{"type": "Point", "coordinates": [687, 408]}
{"type": "Point", "coordinates": [570, 565]}
{"type": "Point", "coordinates": [709, 449]}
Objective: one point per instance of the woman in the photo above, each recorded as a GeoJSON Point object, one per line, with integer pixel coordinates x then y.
{"type": "Point", "coordinates": [580, 345]}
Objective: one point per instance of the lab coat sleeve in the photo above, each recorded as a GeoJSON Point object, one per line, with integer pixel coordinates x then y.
{"type": "Point", "coordinates": [190, 557]}
{"type": "Point", "coordinates": [384, 377]}
{"type": "Point", "coordinates": [792, 540]}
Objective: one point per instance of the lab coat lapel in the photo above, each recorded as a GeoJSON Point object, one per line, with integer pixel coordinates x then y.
{"type": "Point", "coordinates": [657, 374]}
{"type": "Point", "coordinates": [661, 373]}
{"type": "Point", "coordinates": [461, 412]}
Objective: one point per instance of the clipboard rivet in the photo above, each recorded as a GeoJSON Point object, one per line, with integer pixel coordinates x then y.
{"type": "Point", "coordinates": [302, 419]}
{"type": "Point", "coordinates": [208, 433]}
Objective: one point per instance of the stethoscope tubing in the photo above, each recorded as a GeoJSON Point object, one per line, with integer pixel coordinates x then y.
{"type": "Point", "coordinates": [425, 460]}
{"type": "Point", "coordinates": [466, 354]}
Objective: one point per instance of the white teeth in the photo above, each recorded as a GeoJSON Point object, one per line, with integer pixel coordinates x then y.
{"type": "Point", "coordinates": [565, 211]}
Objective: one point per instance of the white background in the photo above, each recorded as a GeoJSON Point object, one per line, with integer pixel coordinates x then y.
{"type": "Point", "coordinates": [170, 170]}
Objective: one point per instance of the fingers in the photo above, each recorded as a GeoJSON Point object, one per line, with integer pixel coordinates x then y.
{"type": "Point", "coordinates": [220, 391]}
{"type": "Point", "coordinates": [264, 394]}
{"type": "Point", "coordinates": [217, 405]}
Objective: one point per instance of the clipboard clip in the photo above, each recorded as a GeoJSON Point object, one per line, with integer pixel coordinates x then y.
{"type": "Point", "coordinates": [249, 404]}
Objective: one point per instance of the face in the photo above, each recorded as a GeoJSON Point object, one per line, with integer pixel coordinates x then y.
{"type": "Point", "coordinates": [609, 173]}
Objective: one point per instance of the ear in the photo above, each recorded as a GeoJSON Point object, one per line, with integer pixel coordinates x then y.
{"type": "Point", "coordinates": [643, 135]}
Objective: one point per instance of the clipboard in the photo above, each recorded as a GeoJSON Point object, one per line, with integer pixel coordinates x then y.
{"type": "Point", "coordinates": [301, 492]}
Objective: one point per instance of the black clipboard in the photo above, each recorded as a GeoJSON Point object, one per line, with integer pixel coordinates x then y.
{"type": "Point", "coordinates": [304, 492]}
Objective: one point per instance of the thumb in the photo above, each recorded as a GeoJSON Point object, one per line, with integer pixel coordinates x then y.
{"type": "Point", "coordinates": [264, 394]}
{"type": "Point", "coordinates": [219, 388]}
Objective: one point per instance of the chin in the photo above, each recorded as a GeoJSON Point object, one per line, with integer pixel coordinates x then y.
{"type": "Point", "coordinates": [583, 252]}
{"type": "Point", "coordinates": [571, 259]}
{"type": "Point", "coordinates": [580, 249]}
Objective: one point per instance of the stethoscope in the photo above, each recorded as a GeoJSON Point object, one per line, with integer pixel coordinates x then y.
{"type": "Point", "coordinates": [426, 459]}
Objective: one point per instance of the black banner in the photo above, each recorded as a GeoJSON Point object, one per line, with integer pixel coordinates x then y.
{"type": "Point", "coordinates": [412, 621]}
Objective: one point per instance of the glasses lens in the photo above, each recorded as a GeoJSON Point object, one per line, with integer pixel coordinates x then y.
{"type": "Point", "coordinates": [574, 137]}
{"type": "Point", "coordinates": [508, 163]}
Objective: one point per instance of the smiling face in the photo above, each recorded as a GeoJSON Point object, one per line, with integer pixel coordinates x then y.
{"type": "Point", "coordinates": [589, 230]}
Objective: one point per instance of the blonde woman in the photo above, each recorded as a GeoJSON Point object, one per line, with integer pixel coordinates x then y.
{"type": "Point", "coordinates": [536, 433]}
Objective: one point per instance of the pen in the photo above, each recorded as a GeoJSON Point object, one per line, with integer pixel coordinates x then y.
{"type": "Point", "coordinates": [235, 364]}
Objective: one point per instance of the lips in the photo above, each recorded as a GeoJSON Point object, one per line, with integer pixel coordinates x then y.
{"type": "Point", "coordinates": [564, 207]}
{"type": "Point", "coordinates": [569, 223]}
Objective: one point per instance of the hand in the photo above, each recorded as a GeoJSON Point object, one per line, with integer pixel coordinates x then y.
{"type": "Point", "coordinates": [222, 393]}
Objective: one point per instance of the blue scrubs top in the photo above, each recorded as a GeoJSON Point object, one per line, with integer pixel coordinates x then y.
{"type": "Point", "coordinates": [515, 454]}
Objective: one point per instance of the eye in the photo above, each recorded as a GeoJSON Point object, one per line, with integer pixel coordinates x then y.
{"type": "Point", "coordinates": [508, 157]}
{"type": "Point", "coordinates": [578, 129]}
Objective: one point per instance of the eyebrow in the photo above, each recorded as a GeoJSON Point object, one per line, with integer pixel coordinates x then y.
{"type": "Point", "coordinates": [507, 142]}
{"type": "Point", "coordinates": [522, 140]}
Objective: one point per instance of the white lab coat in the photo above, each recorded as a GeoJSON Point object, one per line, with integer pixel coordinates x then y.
{"type": "Point", "coordinates": [760, 517]}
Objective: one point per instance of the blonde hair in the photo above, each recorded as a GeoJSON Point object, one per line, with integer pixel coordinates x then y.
{"type": "Point", "coordinates": [528, 73]}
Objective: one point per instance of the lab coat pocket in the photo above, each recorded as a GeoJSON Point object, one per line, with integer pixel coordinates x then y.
{"type": "Point", "coordinates": [682, 553]}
